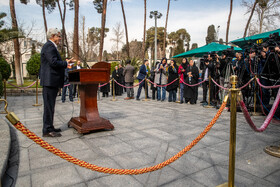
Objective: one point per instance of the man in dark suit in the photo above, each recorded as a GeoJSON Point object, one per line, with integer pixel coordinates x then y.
{"type": "Point", "coordinates": [143, 72]}
{"type": "Point", "coordinates": [51, 79]}
{"type": "Point", "coordinates": [78, 66]}
{"type": "Point", "coordinates": [128, 74]}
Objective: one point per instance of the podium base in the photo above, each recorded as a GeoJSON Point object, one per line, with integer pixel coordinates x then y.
{"type": "Point", "coordinates": [84, 126]}
{"type": "Point", "coordinates": [37, 105]}
{"type": "Point", "coordinates": [273, 150]}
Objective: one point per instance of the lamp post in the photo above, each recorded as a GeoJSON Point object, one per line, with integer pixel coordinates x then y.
{"type": "Point", "coordinates": [156, 15]}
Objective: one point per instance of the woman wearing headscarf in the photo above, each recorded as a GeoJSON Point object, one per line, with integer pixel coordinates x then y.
{"type": "Point", "coordinates": [117, 76]}
{"type": "Point", "coordinates": [181, 71]}
{"type": "Point", "coordinates": [172, 76]}
{"type": "Point", "coordinates": [152, 78]}
{"type": "Point", "coordinates": [161, 79]}
{"type": "Point", "coordinates": [191, 76]}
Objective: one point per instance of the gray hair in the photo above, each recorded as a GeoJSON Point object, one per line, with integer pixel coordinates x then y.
{"type": "Point", "coordinates": [52, 31]}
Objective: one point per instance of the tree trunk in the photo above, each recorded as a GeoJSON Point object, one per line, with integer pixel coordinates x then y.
{"type": "Point", "coordinates": [44, 17]}
{"type": "Point", "coordinates": [102, 34]}
{"type": "Point", "coordinates": [165, 28]}
{"type": "Point", "coordinates": [249, 20]}
{"type": "Point", "coordinates": [228, 23]}
{"type": "Point", "coordinates": [76, 31]}
{"type": "Point", "coordinates": [261, 20]}
{"type": "Point", "coordinates": [62, 38]}
{"type": "Point", "coordinates": [64, 41]}
{"type": "Point", "coordinates": [84, 41]}
{"type": "Point", "coordinates": [144, 35]}
{"type": "Point", "coordinates": [65, 35]}
{"type": "Point", "coordinates": [19, 77]}
{"type": "Point", "coordinates": [126, 32]}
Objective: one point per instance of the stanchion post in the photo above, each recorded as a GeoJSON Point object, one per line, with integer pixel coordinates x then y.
{"type": "Point", "coordinates": [179, 95]}
{"type": "Point", "coordinates": [146, 90]}
{"type": "Point", "coordinates": [232, 143]}
{"type": "Point", "coordinates": [113, 81]}
{"type": "Point", "coordinates": [36, 104]}
{"type": "Point", "coordinates": [209, 94]}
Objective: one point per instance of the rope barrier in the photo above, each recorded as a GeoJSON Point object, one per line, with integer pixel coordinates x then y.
{"type": "Point", "coordinates": [219, 85]}
{"type": "Point", "coordinates": [268, 118]}
{"type": "Point", "coordinates": [163, 85]}
{"type": "Point", "coordinates": [267, 87]}
{"type": "Point", "coordinates": [264, 107]}
{"type": "Point", "coordinates": [104, 84]}
{"type": "Point", "coordinates": [193, 84]}
{"type": "Point", "coordinates": [17, 124]}
{"type": "Point", "coordinates": [66, 85]}
{"type": "Point", "coordinates": [245, 85]}
{"type": "Point", "coordinates": [129, 86]}
{"type": "Point", "coordinates": [22, 88]}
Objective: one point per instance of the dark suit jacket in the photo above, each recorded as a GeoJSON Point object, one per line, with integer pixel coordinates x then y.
{"type": "Point", "coordinates": [52, 67]}
{"type": "Point", "coordinates": [142, 72]}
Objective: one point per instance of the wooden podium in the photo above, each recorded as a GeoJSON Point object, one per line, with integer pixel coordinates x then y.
{"type": "Point", "coordinates": [88, 81]}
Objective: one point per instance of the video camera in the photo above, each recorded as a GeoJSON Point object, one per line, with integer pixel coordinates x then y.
{"type": "Point", "coordinates": [229, 52]}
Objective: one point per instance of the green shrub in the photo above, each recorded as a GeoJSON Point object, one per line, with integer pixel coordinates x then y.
{"type": "Point", "coordinates": [33, 64]}
{"type": "Point", "coordinates": [1, 86]}
{"type": "Point", "coordinates": [5, 69]}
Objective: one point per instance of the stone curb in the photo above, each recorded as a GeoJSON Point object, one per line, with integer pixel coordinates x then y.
{"type": "Point", "coordinates": [5, 145]}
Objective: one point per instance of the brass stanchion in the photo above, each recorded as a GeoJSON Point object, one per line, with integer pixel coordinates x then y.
{"type": "Point", "coordinates": [273, 150]}
{"type": "Point", "coordinates": [209, 94]}
{"type": "Point", "coordinates": [113, 81]}
{"type": "Point", "coordinates": [179, 96]}
{"type": "Point", "coordinates": [37, 104]}
{"type": "Point", "coordinates": [232, 144]}
{"type": "Point", "coordinates": [146, 90]}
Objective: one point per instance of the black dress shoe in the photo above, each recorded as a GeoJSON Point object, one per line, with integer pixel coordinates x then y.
{"type": "Point", "coordinates": [137, 99]}
{"type": "Point", "coordinates": [57, 130]}
{"type": "Point", "coordinates": [52, 134]}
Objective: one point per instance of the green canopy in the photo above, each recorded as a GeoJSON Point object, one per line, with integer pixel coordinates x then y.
{"type": "Point", "coordinates": [258, 38]}
{"type": "Point", "coordinates": [199, 52]}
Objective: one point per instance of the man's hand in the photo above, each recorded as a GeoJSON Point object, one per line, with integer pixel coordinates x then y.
{"type": "Point", "coordinates": [72, 60]}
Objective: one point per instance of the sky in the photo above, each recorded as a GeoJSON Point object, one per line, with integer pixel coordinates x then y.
{"type": "Point", "coordinates": [193, 15]}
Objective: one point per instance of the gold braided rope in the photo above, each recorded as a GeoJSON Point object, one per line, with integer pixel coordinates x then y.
{"type": "Point", "coordinates": [93, 167]}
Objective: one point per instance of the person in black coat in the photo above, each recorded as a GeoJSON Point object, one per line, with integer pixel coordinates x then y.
{"type": "Point", "coordinates": [191, 77]}
{"type": "Point", "coordinates": [67, 85]}
{"type": "Point", "coordinates": [75, 86]}
{"type": "Point", "coordinates": [117, 76]}
{"type": "Point", "coordinates": [172, 75]}
{"type": "Point", "coordinates": [143, 73]}
{"type": "Point", "coordinates": [51, 75]}
{"type": "Point", "coordinates": [152, 78]}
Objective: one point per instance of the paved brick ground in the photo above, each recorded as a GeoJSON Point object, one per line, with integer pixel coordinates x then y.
{"type": "Point", "coordinates": [146, 133]}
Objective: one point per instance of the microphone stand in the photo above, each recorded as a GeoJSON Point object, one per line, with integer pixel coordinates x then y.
{"type": "Point", "coordinates": [78, 56]}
